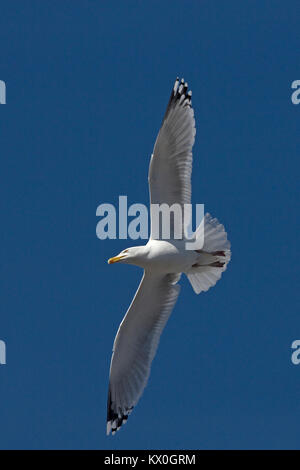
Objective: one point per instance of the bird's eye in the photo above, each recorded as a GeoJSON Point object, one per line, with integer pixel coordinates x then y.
{"type": "Point", "coordinates": [125, 251]}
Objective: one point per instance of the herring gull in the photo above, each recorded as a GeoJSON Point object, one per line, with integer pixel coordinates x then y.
{"type": "Point", "coordinates": [163, 261]}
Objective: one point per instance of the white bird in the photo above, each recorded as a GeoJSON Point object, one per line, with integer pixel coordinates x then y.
{"type": "Point", "coordinates": [163, 261]}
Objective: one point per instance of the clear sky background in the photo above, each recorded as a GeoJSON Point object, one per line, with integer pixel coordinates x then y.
{"type": "Point", "coordinates": [87, 86]}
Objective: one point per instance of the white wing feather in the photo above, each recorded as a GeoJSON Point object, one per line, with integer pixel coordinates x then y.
{"type": "Point", "coordinates": [171, 162]}
{"type": "Point", "coordinates": [136, 343]}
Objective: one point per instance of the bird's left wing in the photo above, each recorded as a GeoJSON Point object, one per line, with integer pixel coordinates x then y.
{"type": "Point", "coordinates": [171, 162]}
{"type": "Point", "coordinates": [136, 343]}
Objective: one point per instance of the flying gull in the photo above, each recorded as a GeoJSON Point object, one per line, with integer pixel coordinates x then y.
{"type": "Point", "coordinates": [163, 261]}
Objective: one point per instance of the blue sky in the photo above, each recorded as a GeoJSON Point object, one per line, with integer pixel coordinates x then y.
{"type": "Point", "coordinates": [87, 85]}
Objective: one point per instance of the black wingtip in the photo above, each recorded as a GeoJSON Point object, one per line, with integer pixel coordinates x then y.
{"type": "Point", "coordinates": [180, 89]}
{"type": "Point", "coordinates": [115, 420]}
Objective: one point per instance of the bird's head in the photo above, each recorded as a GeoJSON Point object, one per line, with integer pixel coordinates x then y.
{"type": "Point", "coordinates": [129, 256]}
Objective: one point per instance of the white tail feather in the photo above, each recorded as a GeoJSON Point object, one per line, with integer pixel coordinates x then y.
{"type": "Point", "coordinates": [215, 239]}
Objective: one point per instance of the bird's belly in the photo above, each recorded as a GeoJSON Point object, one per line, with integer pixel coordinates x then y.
{"type": "Point", "coordinates": [168, 258]}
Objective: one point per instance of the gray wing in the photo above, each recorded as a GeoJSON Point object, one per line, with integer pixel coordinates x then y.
{"type": "Point", "coordinates": [171, 162]}
{"type": "Point", "coordinates": [136, 343]}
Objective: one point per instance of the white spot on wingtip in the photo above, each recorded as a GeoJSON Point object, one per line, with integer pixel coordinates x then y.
{"type": "Point", "coordinates": [176, 84]}
{"type": "Point", "coordinates": [108, 428]}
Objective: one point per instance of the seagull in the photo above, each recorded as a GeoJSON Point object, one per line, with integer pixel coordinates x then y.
{"type": "Point", "coordinates": [163, 261]}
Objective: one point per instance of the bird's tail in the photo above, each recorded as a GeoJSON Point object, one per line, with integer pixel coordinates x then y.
{"type": "Point", "coordinates": [213, 257]}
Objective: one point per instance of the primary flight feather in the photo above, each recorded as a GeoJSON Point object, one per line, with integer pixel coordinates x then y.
{"type": "Point", "coordinates": [163, 260]}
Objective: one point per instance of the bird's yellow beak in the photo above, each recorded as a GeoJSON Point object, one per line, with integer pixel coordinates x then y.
{"type": "Point", "coordinates": [115, 259]}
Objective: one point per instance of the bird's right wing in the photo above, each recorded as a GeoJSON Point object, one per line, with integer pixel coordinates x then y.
{"type": "Point", "coordinates": [136, 343]}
